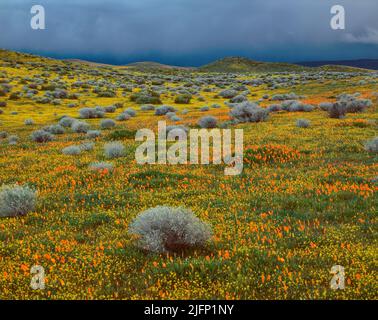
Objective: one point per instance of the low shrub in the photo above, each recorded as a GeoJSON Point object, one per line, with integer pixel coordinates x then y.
{"type": "Point", "coordinates": [303, 123]}
{"type": "Point", "coordinates": [145, 97]}
{"type": "Point", "coordinates": [110, 109]}
{"type": "Point", "coordinates": [92, 134]}
{"type": "Point", "coordinates": [147, 107]}
{"type": "Point", "coordinates": [13, 139]}
{"type": "Point", "coordinates": [55, 129]}
{"type": "Point", "coordinates": [372, 145]}
{"type": "Point", "coordinates": [107, 124]}
{"type": "Point", "coordinates": [183, 99]}
{"type": "Point", "coordinates": [163, 110]}
{"type": "Point", "coordinates": [72, 150]}
{"type": "Point", "coordinates": [3, 134]}
{"type": "Point", "coordinates": [207, 122]}
{"type": "Point", "coordinates": [66, 122]}
{"type": "Point", "coordinates": [29, 122]}
{"type": "Point", "coordinates": [101, 166]}
{"type": "Point", "coordinates": [164, 229]}
{"type": "Point", "coordinates": [16, 200]}
{"type": "Point", "coordinates": [80, 127]}
{"type": "Point", "coordinates": [338, 110]}
{"type": "Point", "coordinates": [114, 150]}
{"type": "Point", "coordinates": [87, 146]}
{"type": "Point", "coordinates": [356, 106]}
{"type": "Point", "coordinates": [91, 113]}
{"type": "Point", "coordinates": [130, 111]}
{"type": "Point", "coordinates": [123, 117]}
{"type": "Point", "coordinates": [248, 112]}
{"type": "Point", "coordinates": [41, 136]}
{"type": "Point", "coordinates": [325, 106]}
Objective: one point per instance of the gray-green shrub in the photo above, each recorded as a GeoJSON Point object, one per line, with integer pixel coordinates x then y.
{"type": "Point", "coordinates": [41, 136]}
{"type": "Point", "coordinates": [207, 122]}
{"type": "Point", "coordinates": [303, 123]}
{"type": "Point", "coordinates": [71, 150]}
{"type": "Point", "coordinates": [372, 145]}
{"type": "Point", "coordinates": [107, 124]}
{"type": "Point", "coordinates": [80, 127]}
{"type": "Point", "coordinates": [162, 229]}
{"type": "Point", "coordinates": [16, 200]}
{"type": "Point", "coordinates": [114, 150]}
{"type": "Point", "coordinates": [101, 166]}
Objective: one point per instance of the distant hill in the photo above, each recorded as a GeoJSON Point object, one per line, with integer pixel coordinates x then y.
{"type": "Point", "coordinates": [90, 63]}
{"type": "Point", "coordinates": [371, 64]}
{"type": "Point", "coordinates": [226, 65]}
{"type": "Point", "coordinates": [146, 66]}
{"type": "Point", "coordinates": [240, 64]}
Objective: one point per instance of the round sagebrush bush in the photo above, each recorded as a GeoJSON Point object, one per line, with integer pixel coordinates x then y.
{"type": "Point", "coordinates": [54, 129]}
{"type": "Point", "coordinates": [228, 93]}
{"type": "Point", "coordinates": [3, 134]}
{"type": "Point", "coordinates": [356, 106]}
{"type": "Point", "coordinates": [41, 136]}
{"type": "Point", "coordinates": [66, 122]}
{"type": "Point", "coordinates": [169, 115]}
{"type": "Point", "coordinates": [131, 112]}
{"type": "Point", "coordinates": [325, 106]}
{"type": "Point", "coordinates": [372, 145]}
{"type": "Point", "coordinates": [147, 107]}
{"type": "Point", "coordinates": [163, 229]}
{"type": "Point", "coordinates": [303, 123]}
{"type": "Point", "coordinates": [16, 200]}
{"type": "Point", "coordinates": [114, 150]}
{"type": "Point", "coordinates": [87, 146]}
{"type": "Point", "coordinates": [107, 124]}
{"type": "Point", "coordinates": [207, 122]}
{"type": "Point", "coordinates": [101, 166]}
{"type": "Point", "coordinates": [163, 110]}
{"type": "Point", "coordinates": [183, 98]}
{"type": "Point", "coordinates": [338, 110]}
{"type": "Point", "coordinates": [175, 118]}
{"type": "Point", "coordinates": [71, 150]}
{"type": "Point", "coordinates": [110, 109]}
{"type": "Point", "coordinates": [80, 127]}
{"type": "Point", "coordinates": [93, 134]}
{"type": "Point", "coordinates": [274, 108]}
{"type": "Point", "coordinates": [29, 122]}
{"type": "Point", "coordinates": [248, 112]}
{"type": "Point", "coordinates": [13, 139]}
{"type": "Point", "coordinates": [238, 99]}
{"type": "Point", "coordinates": [91, 113]}
{"type": "Point", "coordinates": [123, 117]}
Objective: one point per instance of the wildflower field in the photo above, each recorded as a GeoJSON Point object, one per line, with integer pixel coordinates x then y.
{"type": "Point", "coordinates": [305, 201]}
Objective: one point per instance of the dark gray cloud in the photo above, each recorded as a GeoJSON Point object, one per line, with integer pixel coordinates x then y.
{"type": "Point", "coordinates": [191, 31]}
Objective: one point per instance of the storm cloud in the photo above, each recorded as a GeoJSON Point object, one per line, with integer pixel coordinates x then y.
{"type": "Point", "coordinates": [191, 32]}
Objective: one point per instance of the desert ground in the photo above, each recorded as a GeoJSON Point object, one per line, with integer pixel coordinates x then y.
{"type": "Point", "coordinates": [305, 201]}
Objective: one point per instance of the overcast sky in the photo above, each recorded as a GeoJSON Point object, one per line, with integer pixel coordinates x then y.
{"type": "Point", "coordinates": [191, 32]}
